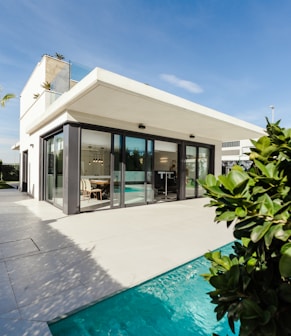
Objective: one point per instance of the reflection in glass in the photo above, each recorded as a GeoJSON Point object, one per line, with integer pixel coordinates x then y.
{"type": "Point", "coordinates": [165, 170]}
{"type": "Point", "coordinates": [54, 169]}
{"type": "Point", "coordinates": [135, 155]}
{"type": "Point", "coordinates": [117, 170]}
{"type": "Point", "coordinates": [59, 146]}
{"type": "Point", "coordinates": [191, 153]}
{"type": "Point", "coordinates": [95, 170]}
{"type": "Point", "coordinates": [149, 172]}
{"type": "Point", "coordinates": [50, 168]}
{"type": "Point", "coordinates": [203, 167]}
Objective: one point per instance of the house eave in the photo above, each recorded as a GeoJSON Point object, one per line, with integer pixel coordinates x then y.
{"type": "Point", "coordinates": [107, 95]}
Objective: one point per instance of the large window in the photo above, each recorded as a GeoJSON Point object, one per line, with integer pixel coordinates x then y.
{"type": "Point", "coordinates": [95, 170]}
{"type": "Point", "coordinates": [118, 170]}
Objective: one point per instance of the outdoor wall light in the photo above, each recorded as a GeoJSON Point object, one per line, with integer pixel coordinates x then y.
{"type": "Point", "coordinates": [191, 136]}
{"type": "Point", "coordinates": [141, 126]}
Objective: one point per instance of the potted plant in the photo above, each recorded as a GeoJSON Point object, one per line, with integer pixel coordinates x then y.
{"type": "Point", "coordinates": [46, 85]}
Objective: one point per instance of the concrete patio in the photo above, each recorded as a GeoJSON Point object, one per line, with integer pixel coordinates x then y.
{"type": "Point", "coordinates": [52, 263]}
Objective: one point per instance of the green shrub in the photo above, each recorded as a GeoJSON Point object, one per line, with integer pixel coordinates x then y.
{"type": "Point", "coordinates": [252, 285]}
{"type": "Point", "coordinates": [9, 172]}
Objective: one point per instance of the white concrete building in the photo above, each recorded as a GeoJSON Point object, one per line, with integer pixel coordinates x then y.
{"type": "Point", "coordinates": [133, 143]}
{"type": "Point", "coordinates": [236, 152]}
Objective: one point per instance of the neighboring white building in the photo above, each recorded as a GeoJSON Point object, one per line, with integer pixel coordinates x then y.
{"type": "Point", "coordinates": [135, 144]}
{"type": "Point", "coordinates": [236, 152]}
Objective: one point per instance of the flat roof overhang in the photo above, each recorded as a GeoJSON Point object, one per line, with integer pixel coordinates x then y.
{"type": "Point", "coordinates": [108, 95]}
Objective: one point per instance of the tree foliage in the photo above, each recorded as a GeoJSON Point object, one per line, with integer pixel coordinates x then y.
{"type": "Point", "coordinates": [252, 284]}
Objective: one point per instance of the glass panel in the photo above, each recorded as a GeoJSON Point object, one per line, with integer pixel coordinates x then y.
{"type": "Point", "coordinates": [50, 169]}
{"type": "Point", "coordinates": [203, 166]}
{"type": "Point", "coordinates": [191, 153]}
{"type": "Point", "coordinates": [24, 171]}
{"type": "Point", "coordinates": [54, 169]}
{"type": "Point", "coordinates": [95, 170]}
{"type": "Point", "coordinates": [117, 157]}
{"type": "Point", "coordinates": [59, 148]}
{"type": "Point", "coordinates": [165, 168]}
{"type": "Point", "coordinates": [150, 195]}
{"type": "Point", "coordinates": [135, 155]}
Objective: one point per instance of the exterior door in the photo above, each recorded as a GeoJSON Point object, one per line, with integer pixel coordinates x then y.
{"type": "Point", "coordinates": [24, 171]}
{"type": "Point", "coordinates": [54, 170]}
{"type": "Point", "coordinates": [132, 176]}
{"type": "Point", "coordinates": [197, 167]}
{"type": "Point", "coordinates": [191, 171]}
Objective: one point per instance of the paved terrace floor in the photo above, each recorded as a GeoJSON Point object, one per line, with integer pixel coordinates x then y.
{"type": "Point", "coordinates": [51, 263]}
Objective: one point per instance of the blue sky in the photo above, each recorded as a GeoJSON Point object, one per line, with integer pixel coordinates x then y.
{"type": "Point", "coordinates": [231, 55]}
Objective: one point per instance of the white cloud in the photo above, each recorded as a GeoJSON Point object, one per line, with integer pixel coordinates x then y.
{"type": "Point", "coordinates": [182, 83]}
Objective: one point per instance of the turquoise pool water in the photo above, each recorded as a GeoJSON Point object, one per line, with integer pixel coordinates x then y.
{"type": "Point", "coordinates": [173, 304]}
{"type": "Point", "coordinates": [129, 189]}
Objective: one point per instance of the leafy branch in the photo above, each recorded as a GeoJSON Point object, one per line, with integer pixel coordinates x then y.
{"type": "Point", "coordinates": [253, 284]}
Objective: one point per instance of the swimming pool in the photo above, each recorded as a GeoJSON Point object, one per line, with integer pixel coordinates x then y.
{"type": "Point", "coordinates": [172, 304]}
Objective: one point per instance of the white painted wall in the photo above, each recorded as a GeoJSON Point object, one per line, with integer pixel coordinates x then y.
{"type": "Point", "coordinates": [31, 110]}
{"type": "Point", "coordinates": [33, 86]}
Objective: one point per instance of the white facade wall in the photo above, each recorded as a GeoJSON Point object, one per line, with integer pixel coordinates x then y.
{"type": "Point", "coordinates": [55, 72]}
{"type": "Point", "coordinates": [38, 116]}
{"type": "Point", "coordinates": [33, 86]}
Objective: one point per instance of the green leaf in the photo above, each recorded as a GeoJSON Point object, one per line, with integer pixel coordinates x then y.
{"type": "Point", "coordinates": [234, 275]}
{"type": "Point", "coordinates": [210, 180]}
{"type": "Point", "coordinates": [259, 231]}
{"type": "Point", "coordinates": [233, 179]}
{"type": "Point", "coordinates": [251, 264]}
{"type": "Point", "coordinates": [242, 187]}
{"type": "Point", "coordinates": [226, 216]}
{"type": "Point", "coordinates": [270, 235]}
{"type": "Point", "coordinates": [251, 310]}
{"type": "Point", "coordinates": [285, 262]}
{"type": "Point", "coordinates": [285, 206]}
{"type": "Point", "coordinates": [285, 248]}
{"type": "Point", "coordinates": [266, 205]}
{"type": "Point", "coordinates": [246, 223]}
{"type": "Point", "coordinates": [270, 170]}
{"type": "Point", "coordinates": [282, 234]}
{"type": "Point", "coordinates": [241, 212]}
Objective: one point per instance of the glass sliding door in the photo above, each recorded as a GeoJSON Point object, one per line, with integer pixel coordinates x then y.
{"type": "Point", "coordinates": [54, 170]}
{"type": "Point", "coordinates": [50, 169]}
{"type": "Point", "coordinates": [165, 170]}
{"type": "Point", "coordinates": [132, 174]}
{"type": "Point", "coordinates": [117, 171]}
{"type": "Point", "coordinates": [203, 167]}
{"type": "Point", "coordinates": [191, 173]}
{"type": "Point", "coordinates": [150, 195]}
{"type": "Point", "coordinates": [95, 179]}
{"type": "Point", "coordinates": [58, 192]}
{"type": "Point", "coordinates": [135, 178]}
{"type": "Point", "coordinates": [197, 167]}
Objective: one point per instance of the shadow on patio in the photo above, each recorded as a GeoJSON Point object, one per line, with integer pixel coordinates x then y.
{"type": "Point", "coordinates": [44, 274]}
